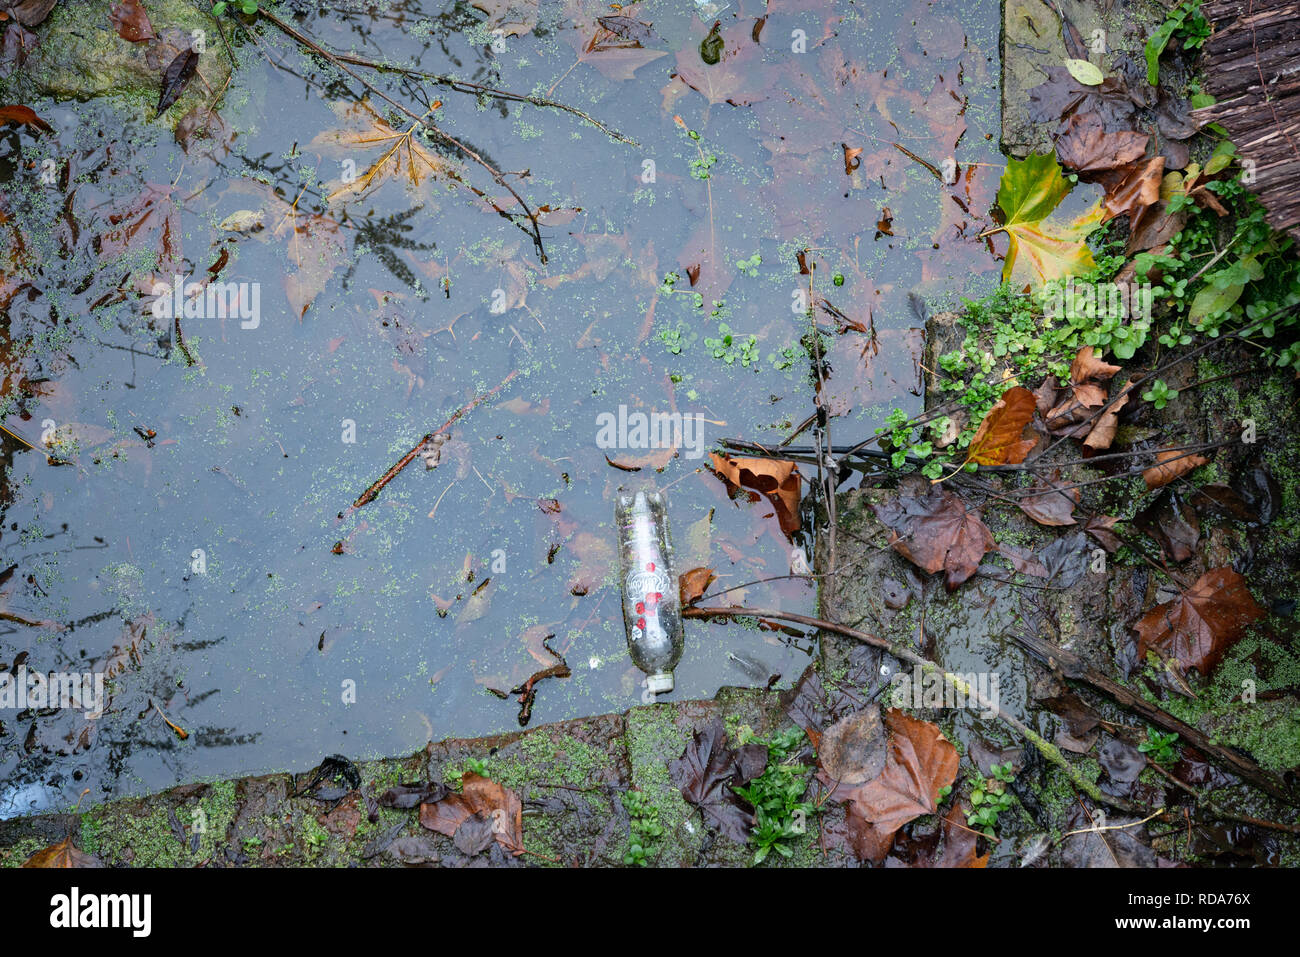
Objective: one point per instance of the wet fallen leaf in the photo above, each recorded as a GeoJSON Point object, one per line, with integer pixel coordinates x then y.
{"type": "Point", "coordinates": [1172, 525]}
{"type": "Point", "coordinates": [852, 750]}
{"type": "Point", "coordinates": [1198, 627]}
{"type": "Point", "coordinates": [176, 78]}
{"type": "Point", "coordinates": [932, 528]}
{"type": "Point", "coordinates": [737, 78]}
{"type": "Point", "coordinates": [403, 158]}
{"type": "Point", "coordinates": [62, 854]}
{"type": "Point", "coordinates": [130, 20]}
{"type": "Point", "coordinates": [776, 480]}
{"type": "Point", "coordinates": [693, 584]}
{"type": "Point", "coordinates": [1061, 95]}
{"type": "Point", "coordinates": [512, 17]}
{"type": "Point", "coordinates": [1116, 846]}
{"type": "Point", "coordinates": [998, 440]}
{"type": "Point", "coordinates": [1053, 505]}
{"type": "Point", "coordinates": [1086, 146]}
{"type": "Point", "coordinates": [706, 773]}
{"type": "Point", "coordinates": [1106, 424]}
{"type": "Point", "coordinates": [1029, 192]}
{"type": "Point", "coordinates": [1131, 189]}
{"type": "Point", "coordinates": [23, 116]}
{"type": "Point", "coordinates": [30, 12]}
{"type": "Point", "coordinates": [919, 763]}
{"type": "Point", "coordinates": [478, 795]}
{"type": "Point", "coordinates": [1087, 365]}
{"type": "Point", "coordinates": [1170, 464]}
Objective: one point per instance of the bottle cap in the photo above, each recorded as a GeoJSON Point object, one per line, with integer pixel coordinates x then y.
{"type": "Point", "coordinates": [660, 683]}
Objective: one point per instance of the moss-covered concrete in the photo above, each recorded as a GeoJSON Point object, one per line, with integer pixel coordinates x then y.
{"type": "Point", "coordinates": [569, 776]}
{"type": "Point", "coordinates": [79, 56]}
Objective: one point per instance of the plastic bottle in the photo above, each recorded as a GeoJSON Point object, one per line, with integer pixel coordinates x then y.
{"type": "Point", "coordinates": [652, 611]}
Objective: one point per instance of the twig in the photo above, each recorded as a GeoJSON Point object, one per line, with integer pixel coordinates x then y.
{"type": "Point", "coordinates": [369, 494]}
{"type": "Point", "coordinates": [478, 89]}
{"type": "Point", "coordinates": [1112, 827]}
{"type": "Point", "coordinates": [497, 175]}
{"type": "Point", "coordinates": [1074, 668]}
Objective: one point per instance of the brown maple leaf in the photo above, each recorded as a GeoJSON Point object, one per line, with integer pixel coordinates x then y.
{"type": "Point", "coordinates": [1198, 627]}
{"type": "Point", "coordinates": [919, 763]}
{"type": "Point", "coordinates": [478, 796]}
{"type": "Point", "coordinates": [998, 439]}
{"type": "Point", "coordinates": [932, 528]}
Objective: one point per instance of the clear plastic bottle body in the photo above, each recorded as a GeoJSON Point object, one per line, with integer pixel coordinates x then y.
{"type": "Point", "coordinates": [652, 611]}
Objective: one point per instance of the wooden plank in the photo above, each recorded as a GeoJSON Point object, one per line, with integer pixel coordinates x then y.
{"type": "Point", "coordinates": [1252, 67]}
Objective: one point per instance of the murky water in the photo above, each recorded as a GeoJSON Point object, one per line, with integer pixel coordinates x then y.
{"type": "Point", "coordinates": [200, 545]}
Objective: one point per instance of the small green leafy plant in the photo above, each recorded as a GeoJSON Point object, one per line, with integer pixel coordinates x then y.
{"type": "Point", "coordinates": [1185, 22]}
{"type": "Point", "coordinates": [1160, 394]}
{"type": "Point", "coordinates": [248, 7]}
{"type": "Point", "coordinates": [1159, 746]}
{"type": "Point", "coordinates": [780, 813]}
{"type": "Point", "coordinates": [644, 829]}
{"type": "Point", "coordinates": [750, 266]}
{"type": "Point", "coordinates": [455, 776]}
{"type": "Point", "coordinates": [989, 797]}
{"type": "Point", "coordinates": [729, 348]}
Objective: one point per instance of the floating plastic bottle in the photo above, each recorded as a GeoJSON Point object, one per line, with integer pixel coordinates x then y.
{"type": "Point", "coordinates": [652, 612]}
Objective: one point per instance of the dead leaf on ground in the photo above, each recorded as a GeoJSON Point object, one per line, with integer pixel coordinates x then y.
{"type": "Point", "coordinates": [919, 763]}
{"type": "Point", "coordinates": [1052, 505]}
{"type": "Point", "coordinates": [708, 770]}
{"type": "Point", "coordinates": [130, 21]}
{"type": "Point", "coordinates": [998, 439]}
{"type": "Point", "coordinates": [1198, 627]}
{"type": "Point", "coordinates": [478, 795]}
{"type": "Point", "coordinates": [1086, 146]}
{"type": "Point", "coordinates": [62, 854]}
{"type": "Point", "coordinates": [1171, 464]}
{"type": "Point", "coordinates": [1104, 428]}
{"type": "Point", "coordinates": [932, 528]}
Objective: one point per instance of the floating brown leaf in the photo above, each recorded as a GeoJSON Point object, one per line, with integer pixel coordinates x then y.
{"type": "Point", "coordinates": [1170, 464]}
{"type": "Point", "coordinates": [934, 530]}
{"type": "Point", "coordinates": [693, 584]}
{"type": "Point", "coordinates": [776, 480]}
{"type": "Point", "coordinates": [998, 439]}
{"type": "Point", "coordinates": [23, 116]}
{"type": "Point", "coordinates": [1200, 625]}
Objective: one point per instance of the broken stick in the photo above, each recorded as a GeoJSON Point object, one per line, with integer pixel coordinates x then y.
{"type": "Point", "coordinates": [369, 494]}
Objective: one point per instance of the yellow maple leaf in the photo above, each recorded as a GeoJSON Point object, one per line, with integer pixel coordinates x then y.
{"type": "Point", "coordinates": [404, 156]}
